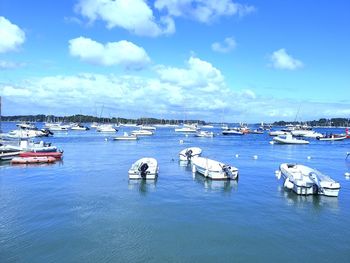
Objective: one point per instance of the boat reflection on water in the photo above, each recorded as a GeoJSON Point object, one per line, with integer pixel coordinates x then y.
{"type": "Point", "coordinates": [317, 202]}
{"type": "Point", "coordinates": [27, 165]}
{"type": "Point", "coordinates": [143, 186]}
{"type": "Point", "coordinates": [225, 186]}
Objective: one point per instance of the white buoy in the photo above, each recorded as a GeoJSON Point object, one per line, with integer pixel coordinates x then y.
{"type": "Point", "coordinates": [237, 155]}
{"type": "Point", "coordinates": [309, 157]}
{"type": "Point", "coordinates": [271, 142]}
{"type": "Point", "coordinates": [347, 174]}
{"type": "Point", "coordinates": [186, 135]}
{"type": "Point", "coordinates": [106, 139]}
{"type": "Point", "coordinates": [255, 157]}
{"type": "Point", "coordinates": [181, 141]}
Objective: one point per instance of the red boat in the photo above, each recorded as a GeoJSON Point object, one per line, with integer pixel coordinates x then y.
{"type": "Point", "coordinates": [30, 160]}
{"type": "Point", "coordinates": [57, 155]}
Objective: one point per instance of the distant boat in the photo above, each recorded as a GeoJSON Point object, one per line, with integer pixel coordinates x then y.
{"type": "Point", "coordinates": [204, 134]}
{"type": "Point", "coordinates": [332, 138]}
{"type": "Point", "coordinates": [187, 128]}
{"type": "Point", "coordinates": [126, 137]}
{"type": "Point", "coordinates": [144, 168]}
{"type": "Point", "coordinates": [213, 169]}
{"type": "Point", "coordinates": [141, 133]}
{"type": "Point", "coordinates": [288, 139]}
{"type": "Point", "coordinates": [57, 155]}
{"type": "Point", "coordinates": [304, 180]}
{"type": "Point", "coordinates": [278, 133]}
{"type": "Point", "coordinates": [106, 128]}
{"type": "Point", "coordinates": [79, 127]}
{"type": "Point", "coordinates": [189, 153]}
{"type": "Point", "coordinates": [148, 127]}
{"type": "Point", "coordinates": [232, 131]}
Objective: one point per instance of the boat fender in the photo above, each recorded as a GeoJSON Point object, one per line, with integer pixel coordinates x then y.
{"type": "Point", "coordinates": [278, 174]}
{"type": "Point", "coordinates": [194, 169]}
{"type": "Point", "coordinates": [206, 173]}
{"type": "Point", "coordinates": [288, 184]}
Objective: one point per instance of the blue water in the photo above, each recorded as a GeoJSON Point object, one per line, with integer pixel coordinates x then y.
{"type": "Point", "coordinates": [84, 209]}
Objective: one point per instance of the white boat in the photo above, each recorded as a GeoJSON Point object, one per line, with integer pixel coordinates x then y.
{"type": "Point", "coordinates": [278, 133]}
{"type": "Point", "coordinates": [79, 127]}
{"type": "Point", "coordinates": [94, 125]}
{"type": "Point", "coordinates": [106, 128]}
{"type": "Point", "coordinates": [213, 169]}
{"type": "Point", "coordinates": [27, 134]}
{"type": "Point", "coordinates": [232, 131]}
{"type": "Point", "coordinates": [208, 126]}
{"type": "Point", "coordinates": [189, 153]}
{"type": "Point", "coordinates": [141, 133]}
{"type": "Point", "coordinates": [288, 139]}
{"type": "Point", "coordinates": [304, 180]}
{"type": "Point", "coordinates": [144, 168]}
{"type": "Point", "coordinates": [57, 126]}
{"type": "Point", "coordinates": [126, 137]}
{"type": "Point", "coordinates": [187, 129]}
{"type": "Point", "coordinates": [204, 134]}
{"type": "Point", "coordinates": [148, 127]}
{"type": "Point", "coordinates": [26, 125]}
{"type": "Point", "coordinates": [331, 138]}
{"type": "Point", "coordinates": [306, 133]}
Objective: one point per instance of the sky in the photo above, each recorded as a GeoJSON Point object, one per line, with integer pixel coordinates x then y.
{"type": "Point", "coordinates": [221, 61]}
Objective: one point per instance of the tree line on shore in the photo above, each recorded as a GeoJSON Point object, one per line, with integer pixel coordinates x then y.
{"type": "Point", "coordinates": [335, 122]}
{"type": "Point", "coordinates": [87, 118]}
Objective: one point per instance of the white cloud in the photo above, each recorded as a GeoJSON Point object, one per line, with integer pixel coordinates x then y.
{"type": "Point", "coordinates": [123, 53]}
{"type": "Point", "coordinates": [11, 36]}
{"type": "Point", "coordinates": [10, 64]}
{"type": "Point", "coordinates": [133, 15]}
{"type": "Point", "coordinates": [228, 45]}
{"type": "Point", "coordinates": [198, 74]}
{"type": "Point", "coordinates": [202, 10]}
{"type": "Point", "coordinates": [282, 60]}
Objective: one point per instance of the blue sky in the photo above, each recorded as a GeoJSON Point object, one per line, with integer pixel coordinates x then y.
{"type": "Point", "coordinates": [221, 60]}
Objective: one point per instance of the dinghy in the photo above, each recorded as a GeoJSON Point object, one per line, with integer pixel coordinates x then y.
{"type": "Point", "coordinates": [213, 169]}
{"type": "Point", "coordinates": [232, 131]}
{"type": "Point", "coordinates": [31, 160]}
{"type": "Point", "coordinates": [144, 168]}
{"type": "Point", "coordinates": [304, 180]}
{"type": "Point", "coordinates": [189, 153]}
{"type": "Point", "coordinates": [288, 139]}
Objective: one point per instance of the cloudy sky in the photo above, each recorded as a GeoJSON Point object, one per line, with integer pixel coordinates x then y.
{"type": "Point", "coordinates": [219, 60]}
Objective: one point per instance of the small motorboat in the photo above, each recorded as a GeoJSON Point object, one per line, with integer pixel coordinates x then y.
{"type": "Point", "coordinates": [257, 131]}
{"type": "Point", "coordinates": [205, 134]}
{"type": "Point", "coordinates": [232, 131]}
{"type": "Point", "coordinates": [189, 153]}
{"type": "Point", "coordinates": [106, 128]}
{"type": "Point", "coordinates": [334, 137]}
{"type": "Point", "coordinates": [126, 137]}
{"type": "Point", "coordinates": [304, 180]}
{"type": "Point", "coordinates": [32, 160]}
{"type": "Point", "coordinates": [288, 139]}
{"type": "Point", "coordinates": [79, 127]}
{"type": "Point", "coordinates": [213, 169]}
{"type": "Point", "coordinates": [144, 168]}
{"type": "Point", "coordinates": [278, 133]}
{"type": "Point", "coordinates": [142, 133]}
{"type": "Point", "coordinates": [57, 155]}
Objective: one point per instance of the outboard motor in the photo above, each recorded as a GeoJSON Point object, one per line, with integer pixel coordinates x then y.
{"type": "Point", "coordinates": [227, 171]}
{"type": "Point", "coordinates": [188, 154]}
{"type": "Point", "coordinates": [143, 170]}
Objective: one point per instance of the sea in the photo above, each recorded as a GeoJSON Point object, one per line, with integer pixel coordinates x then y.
{"type": "Point", "coordinates": [84, 208]}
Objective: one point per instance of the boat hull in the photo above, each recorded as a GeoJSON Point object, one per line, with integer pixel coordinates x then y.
{"type": "Point", "coordinates": [136, 172]}
{"type": "Point", "coordinates": [213, 169]}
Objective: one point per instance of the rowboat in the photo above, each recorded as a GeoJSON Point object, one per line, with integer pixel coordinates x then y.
{"type": "Point", "coordinates": [57, 155]}
{"type": "Point", "coordinates": [144, 168]}
{"type": "Point", "coordinates": [213, 169]}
